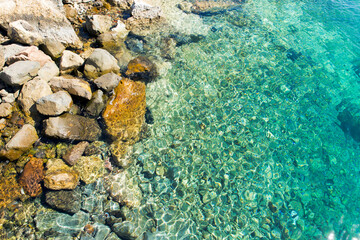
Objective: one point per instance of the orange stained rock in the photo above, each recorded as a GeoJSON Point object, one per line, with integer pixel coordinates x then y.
{"type": "Point", "coordinates": [125, 112]}
{"type": "Point", "coordinates": [31, 177]}
{"type": "Point", "coordinates": [9, 190]}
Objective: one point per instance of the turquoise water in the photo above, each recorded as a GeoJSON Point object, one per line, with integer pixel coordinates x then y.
{"type": "Point", "coordinates": [246, 142]}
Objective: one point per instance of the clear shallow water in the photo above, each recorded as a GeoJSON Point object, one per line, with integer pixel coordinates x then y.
{"type": "Point", "coordinates": [246, 143]}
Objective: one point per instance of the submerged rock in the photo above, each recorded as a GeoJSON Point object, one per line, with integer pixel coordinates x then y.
{"type": "Point", "coordinates": [65, 200]}
{"type": "Point", "coordinates": [141, 68]}
{"type": "Point", "coordinates": [54, 104]}
{"type": "Point", "coordinates": [20, 72]}
{"type": "Point", "coordinates": [108, 81]}
{"type": "Point", "coordinates": [208, 7]}
{"type": "Point", "coordinates": [140, 9]}
{"type": "Point", "coordinates": [74, 154]}
{"type": "Point", "coordinates": [61, 178]}
{"type": "Point", "coordinates": [32, 176]}
{"type": "Point", "coordinates": [72, 127]}
{"type": "Point", "coordinates": [97, 103]}
{"type": "Point", "coordinates": [99, 63]}
{"type": "Point", "coordinates": [90, 168]}
{"type": "Point", "coordinates": [9, 190]}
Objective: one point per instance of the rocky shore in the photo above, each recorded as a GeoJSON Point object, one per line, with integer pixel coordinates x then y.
{"type": "Point", "coordinates": [73, 85]}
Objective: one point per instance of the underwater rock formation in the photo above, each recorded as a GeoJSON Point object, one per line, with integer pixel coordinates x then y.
{"type": "Point", "coordinates": [141, 68]}
{"type": "Point", "coordinates": [9, 190]}
{"type": "Point", "coordinates": [32, 176]}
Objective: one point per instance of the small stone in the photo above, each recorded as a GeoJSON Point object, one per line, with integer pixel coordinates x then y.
{"type": "Point", "coordinates": [97, 24]}
{"type": "Point", "coordinates": [72, 127]}
{"type": "Point", "coordinates": [97, 103]}
{"type": "Point", "coordinates": [141, 68]}
{"type": "Point", "coordinates": [120, 30]}
{"type": "Point", "coordinates": [23, 32]}
{"type": "Point", "coordinates": [74, 86]}
{"type": "Point", "coordinates": [61, 179]}
{"type": "Point", "coordinates": [54, 104]}
{"type": "Point", "coordinates": [73, 155]}
{"type": "Point", "coordinates": [10, 98]}
{"type": "Point", "coordinates": [31, 53]}
{"type": "Point", "coordinates": [65, 200]}
{"type": "Point", "coordinates": [102, 231]}
{"type": "Point", "coordinates": [20, 72]}
{"type": "Point", "coordinates": [108, 81]}
{"type": "Point", "coordinates": [90, 169]}
{"type": "Point", "coordinates": [31, 92]}
{"type": "Point", "coordinates": [48, 71]}
{"type": "Point", "coordinates": [31, 177]}
{"type": "Point", "coordinates": [70, 61]}
{"type": "Point", "coordinates": [53, 48]}
{"type": "Point", "coordinates": [99, 63]}
{"type": "Point", "coordinates": [5, 109]}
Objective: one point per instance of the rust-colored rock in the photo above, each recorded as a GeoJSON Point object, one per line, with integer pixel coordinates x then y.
{"type": "Point", "coordinates": [9, 190]}
{"type": "Point", "coordinates": [141, 68]}
{"type": "Point", "coordinates": [125, 112]}
{"type": "Point", "coordinates": [31, 177]}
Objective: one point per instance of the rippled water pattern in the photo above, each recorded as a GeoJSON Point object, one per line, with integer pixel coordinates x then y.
{"type": "Point", "coordinates": [246, 143]}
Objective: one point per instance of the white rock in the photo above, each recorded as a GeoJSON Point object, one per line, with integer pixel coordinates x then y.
{"type": "Point", "coordinates": [70, 61]}
{"type": "Point", "coordinates": [100, 62]}
{"type": "Point", "coordinates": [31, 92]}
{"type": "Point", "coordinates": [12, 50]}
{"type": "Point", "coordinates": [97, 24]}
{"type": "Point", "coordinates": [10, 98]}
{"type": "Point", "coordinates": [48, 71]}
{"type": "Point", "coordinates": [20, 72]}
{"type": "Point", "coordinates": [23, 139]}
{"type": "Point", "coordinates": [31, 53]}
{"type": "Point", "coordinates": [120, 30]}
{"type": "Point", "coordinates": [142, 9]}
{"type": "Point", "coordinates": [23, 32]}
{"type": "Point", "coordinates": [74, 86]}
{"type": "Point", "coordinates": [54, 104]}
{"type": "Point", "coordinates": [5, 109]}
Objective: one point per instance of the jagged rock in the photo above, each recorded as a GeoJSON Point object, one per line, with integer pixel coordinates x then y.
{"type": "Point", "coordinates": [65, 200]}
{"type": "Point", "coordinates": [20, 72]}
{"type": "Point", "coordinates": [72, 127]}
{"type": "Point", "coordinates": [20, 142]}
{"type": "Point", "coordinates": [99, 63]}
{"type": "Point", "coordinates": [54, 104]}
{"type": "Point", "coordinates": [141, 68]}
{"type": "Point", "coordinates": [48, 71]}
{"type": "Point", "coordinates": [120, 30]}
{"type": "Point", "coordinates": [74, 86]}
{"type": "Point", "coordinates": [123, 189]}
{"type": "Point", "coordinates": [23, 32]}
{"type": "Point", "coordinates": [141, 9]}
{"type": "Point", "coordinates": [97, 24]}
{"type": "Point", "coordinates": [70, 61]}
{"type": "Point", "coordinates": [5, 109]}
{"type": "Point", "coordinates": [31, 177]}
{"type": "Point", "coordinates": [12, 49]}
{"type": "Point", "coordinates": [124, 5]}
{"type": "Point", "coordinates": [45, 16]}
{"type": "Point", "coordinates": [97, 103]}
{"type": "Point", "coordinates": [108, 81]}
{"type": "Point", "coordinates": [73, 155]}
{"type": "Point", "coordinates": [31, 53]}
{"type": "Point", "coordinates": [9, 190]}
{"type": "Point", "coordinates": [125, 111]}
{"type": "Point", "coordinates": [31, 92]}
{"type": "Point", "coordinates": [90, 168]}
{"type": "Point", "coordinates": [53, 48]}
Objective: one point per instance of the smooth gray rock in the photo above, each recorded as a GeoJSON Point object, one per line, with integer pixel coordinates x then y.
{"type": "Point", "coordinates": [70, 61]}
{"type": "Point", "coordinates": [66, 200]}
{"type": "Point", "coordinates": [48, 71]}
{"type": "Point", "coordinates": [54, 104]}
{"type": "Point", "coordinates": [97, 24]}
{"type": "Point", "coordinates": [97, 103]}
{"type": "Point", "coordinates": [99, 63]}
{"type": "Point", "coordinates": [5, 109]}
{"type": "Point", "coordinates": [20, 72]}
{"type": "Point", "coordinates": [23, 32]}
{"type": "Point", "coordinates": [74, 86]}
{"type": "Point", "coordinates": [72, 127]}
{"type": "Point", "coordinates": [108, 82]}
{"type": "Point", "coordinates": [31, 92]}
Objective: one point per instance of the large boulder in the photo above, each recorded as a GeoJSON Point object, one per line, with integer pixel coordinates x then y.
{"type": "Point", "coordinates": [72, 127]}
{"type": "Point", "coordinates": [54, 104]}
{"type": "Point", "coordinates": [45, 17]}
{"type": "Point", "coordinates": [74, 86]}
{"type": "Point", "coordinates": [99, 63]}
{"type": "Point", "coordinates": [20, 72]}
{"type": "Point", "coordinates": [31, 92]}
